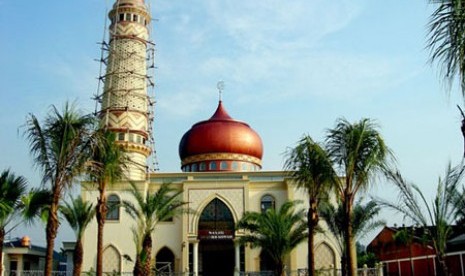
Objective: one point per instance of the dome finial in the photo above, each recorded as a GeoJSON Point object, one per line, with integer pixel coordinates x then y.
{"type": "Point", "coordinates": [220, 86]}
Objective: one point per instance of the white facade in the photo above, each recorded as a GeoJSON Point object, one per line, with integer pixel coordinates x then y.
{"type": "Point", "coordinates": [239, 191]}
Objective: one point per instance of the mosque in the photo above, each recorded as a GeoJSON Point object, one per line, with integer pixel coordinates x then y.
{"type": "Point", "coordinates": [220, 176]}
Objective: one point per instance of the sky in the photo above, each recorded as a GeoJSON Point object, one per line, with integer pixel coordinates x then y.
{"type": "Point", "coordinates": [290, 68]}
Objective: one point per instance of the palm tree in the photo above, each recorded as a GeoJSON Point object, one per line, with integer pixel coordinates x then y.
{"type": "Point", "coordinates": [311, 169]}
{"type": "Point", "coordinates": [12, 188]}
{"type": "Point", "coordinates": [436, 218]}
{"type": "Point", "coordinates": [148, 210]}
{"type": "Point", "coordinates": [106, 166]}
{"type": "Point", "coordinates": [363, 221]}
{"type": "Point", "coordinates": [458, 202]}
{"type": "Point", "coordinates": [276, 232]}
{"type": "Point", "coordinates": [78, 213]}
{"type": "Point", "coordinates": [446, 40]}
{"type": "Point", "coordinates": [58, 147]}
{"type": "Point", "coordinates": [359, 152]}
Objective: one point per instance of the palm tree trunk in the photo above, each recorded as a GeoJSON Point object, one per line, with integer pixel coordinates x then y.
{"type": "Point", "coordinates": [344, 264]}
{"type": "Point", "coordinates": [77, 258]}
{"type": "Point", "coordinates": [2, 239]}
{"type": "Point", "coordinates": [137, 266]}
{"type": "Point", "coordinates": [312, 221]}
{"type": "Point", "coordinates": [51, 231]}
{"type": "Point", "coordinates": [443, 271]}
{"type": "Point", "coordinates": [410, 255]}
{"type": "Point", "coordinates": [351, 253]}
{"type": "Point", "coordinates": [101, 215]}
{"type": "Point", "coordinates": [279, 268]}
{"type": "Point", "coordinates": [147, 252]}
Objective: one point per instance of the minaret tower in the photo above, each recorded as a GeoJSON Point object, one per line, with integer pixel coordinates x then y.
{"type": "Point", "coordinates": [125, 104]}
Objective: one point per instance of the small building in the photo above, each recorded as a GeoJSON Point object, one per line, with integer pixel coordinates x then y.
{"type": "Point", "coordinates": [68, 250]}
{"type": "Point", "coordinates": [406, 251]}
{"type": "Point", "coordinates": [20, 255]}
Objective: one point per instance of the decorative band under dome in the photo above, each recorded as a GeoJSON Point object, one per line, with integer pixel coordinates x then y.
{"type": "Point", "coordinates": [221, 156]}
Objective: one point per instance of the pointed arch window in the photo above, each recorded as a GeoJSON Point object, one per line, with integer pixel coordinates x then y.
{"type": "Point", "coordinates": [216, 216]}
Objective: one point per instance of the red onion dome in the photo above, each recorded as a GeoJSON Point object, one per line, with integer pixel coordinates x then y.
{"type": "Point", "coordinates": [221, 144]}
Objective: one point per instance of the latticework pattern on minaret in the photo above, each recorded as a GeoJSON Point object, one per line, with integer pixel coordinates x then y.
{"type": "Point", "coordinates": [125, 80]}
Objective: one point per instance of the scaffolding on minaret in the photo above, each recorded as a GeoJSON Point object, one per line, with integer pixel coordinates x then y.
{"type": "Point", "coordinates": [123, 88]}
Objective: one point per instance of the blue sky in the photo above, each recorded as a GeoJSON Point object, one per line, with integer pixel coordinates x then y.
{"type": "Point", "coordinates": [290, 68]}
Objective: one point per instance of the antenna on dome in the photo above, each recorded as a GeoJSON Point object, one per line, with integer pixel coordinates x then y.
{"type": "Point", "coordinates": [220, 86]}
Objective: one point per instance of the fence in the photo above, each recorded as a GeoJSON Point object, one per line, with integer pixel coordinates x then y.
{"type": "Point", "coordinates": [366, 271]}
{"type": "Point", "coordinates": [424, 265]}
{"type": "Point", "coordinates": [33, 273]}
{"type": "Point", "coordinates": [69, 273]}
{"type": "Point", "coordinates": [299, 272]}
{"type": "Point", "coordinates": [319, 272]}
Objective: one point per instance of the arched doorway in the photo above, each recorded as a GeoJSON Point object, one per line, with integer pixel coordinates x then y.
{"type": "Point", "coordinates": [216, 234]}
{"type": "Point", "coordinates": [266, 262]}
{"type": "Point", "coordinates": [164, 261]}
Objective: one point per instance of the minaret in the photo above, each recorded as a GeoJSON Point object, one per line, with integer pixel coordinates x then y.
{"type": "Point", "coordinates": [125, 104]}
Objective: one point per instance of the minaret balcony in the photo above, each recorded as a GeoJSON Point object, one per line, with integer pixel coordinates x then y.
{"type": "Point", "coordinates": [135, 147]}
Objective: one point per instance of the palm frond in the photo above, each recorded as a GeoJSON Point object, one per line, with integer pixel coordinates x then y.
{"type": "Point", "coordinates": [108, 161]}
{"type": "Point", "coordinates": [309, 166]}
{"type": "Point", "coordinates": [57, 145]}
{"type": "Point", "coordinates": [12, 188]}
{"type": "Point", "coordinates": [275, 231]}
{"type": "Point", "coordinates": [36, 205]}
{"type": "Point", "coordinates": [363, 219]}
{"type": "Point", "coordinates": [446, 40]}
{"type": "Point", "coordinates": [435, 217]}
{"type": "Point", "coordinates": [150, 208]}
{"type": "Point", "coordinates": [78, 213]}
{"type": "Point", "coordinates": [359, 152]}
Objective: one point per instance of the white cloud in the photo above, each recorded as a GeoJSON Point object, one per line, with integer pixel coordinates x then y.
{"type": "Point", "coordinates": [270, 51]}
{"type": "Point", "coordinates": [272, 24]}
{"type": "Point", "coordinates": [185, 100]}
{"type": "Point", "coordinates": [73, 78]}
